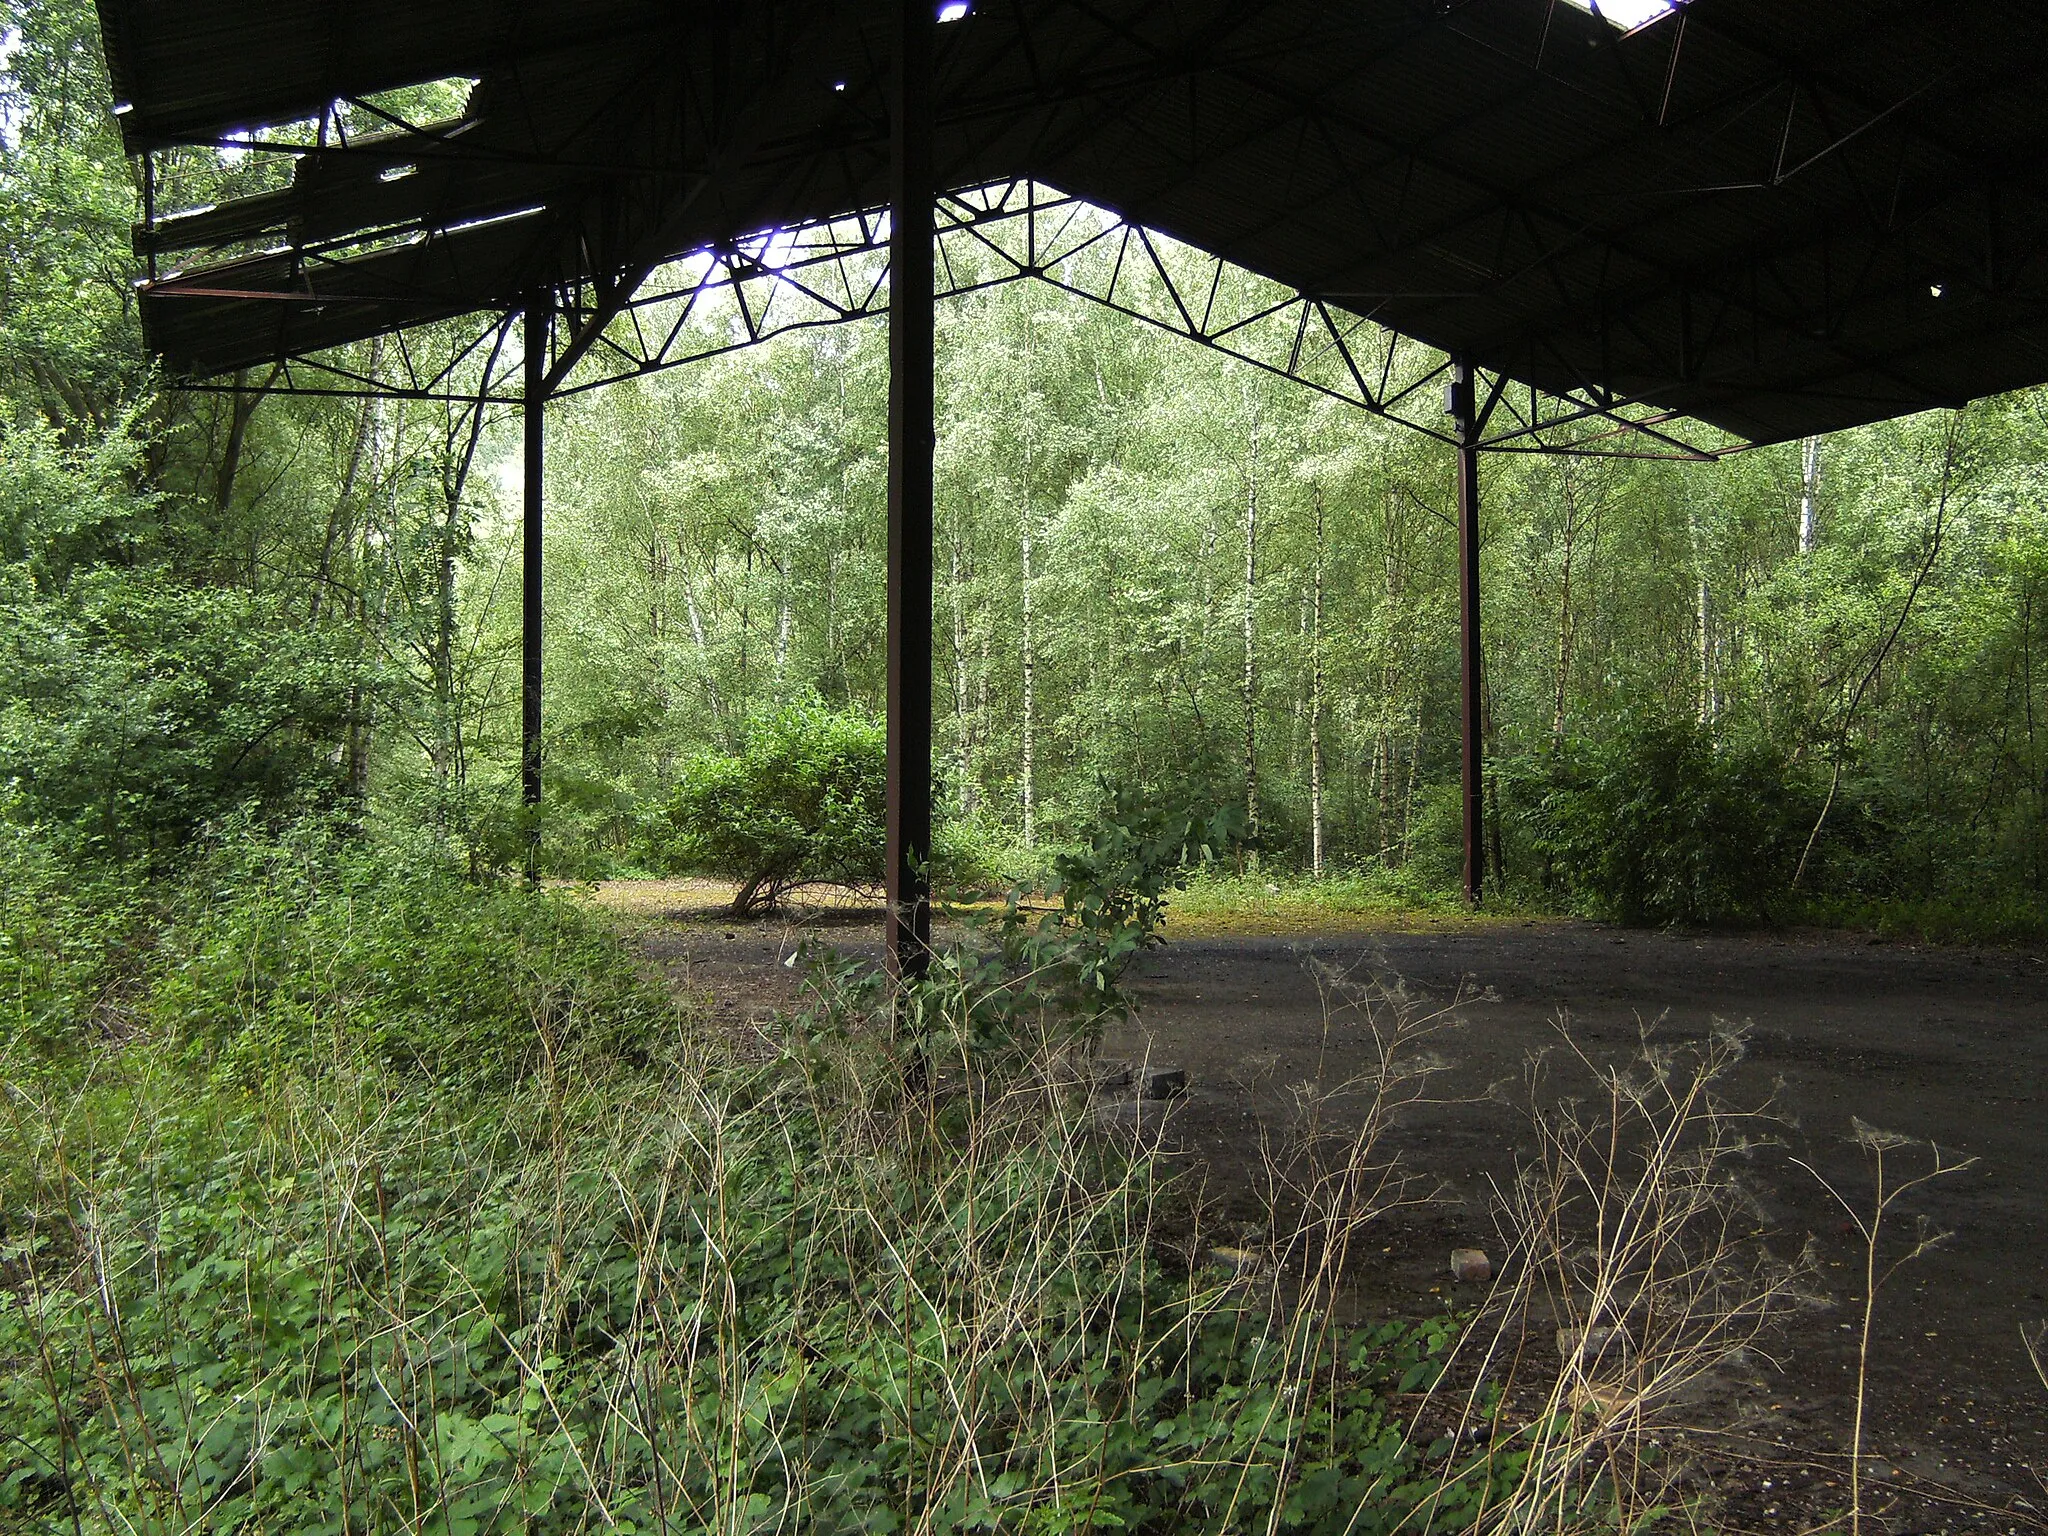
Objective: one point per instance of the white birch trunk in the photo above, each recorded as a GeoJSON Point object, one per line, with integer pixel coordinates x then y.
{"type": "Point", "coordinates": [963, 725]}
{"type": "Point", "coordinates": [1315, 703]}
{"type": "Point", "coordinates": [1809, 492]}
{"type": "Point", "coordinates": [1026, 785]}
{"type": "Point", "coordinates": [1251, 674]}
{"type": "Point", "coordinates": [1564, 611]}
{"type": "Point", "coordinates": [700, 639]}
{"type": "Point", "coordinates": [1705, 626]}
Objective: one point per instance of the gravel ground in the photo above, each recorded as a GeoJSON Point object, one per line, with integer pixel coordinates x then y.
{"type": "Point", "coordinates": [1948, 1045]}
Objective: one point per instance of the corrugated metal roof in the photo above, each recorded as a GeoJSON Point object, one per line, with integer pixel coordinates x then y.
{"type": "Point", "coordinates": [1742, 211]}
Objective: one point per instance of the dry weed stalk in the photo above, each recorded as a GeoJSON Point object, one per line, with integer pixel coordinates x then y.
{"type": "Point", "coordinates": [1869, 1222]}
{"type": "Point", "coordinates": [1632, 1229]}
{"type": "Point", "coordinates": [1331, 1172]}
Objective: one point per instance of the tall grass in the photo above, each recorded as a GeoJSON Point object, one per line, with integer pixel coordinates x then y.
{"type": "Point", "coordinates": [1633, 1228]}
{"type": "Point", "coordinates": [629, 1279]}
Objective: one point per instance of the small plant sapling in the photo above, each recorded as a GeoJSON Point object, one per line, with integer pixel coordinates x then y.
{"type": "Point", "coordinates": [1869, 1222]}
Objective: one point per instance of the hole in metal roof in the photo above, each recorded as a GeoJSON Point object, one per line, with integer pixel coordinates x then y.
{"type": "Point", "coordinates": [494, 218]}
{"type": "Point", "coordinates": [954, 10]}
{"type": "Point", "coordinates": [1627, 15]}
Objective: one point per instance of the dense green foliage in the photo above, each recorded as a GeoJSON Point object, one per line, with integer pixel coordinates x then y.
{"type": "Point", "coordinates": [800, 804]}
{"type": "Point", "coordinates": [1155, 566]}
{"type": "Point", "coordinates": [1032, 981]}
{"type": "Point", "coordinates": [273, 1265]}
{"type": "Point", "coordinates": [1668, 822]}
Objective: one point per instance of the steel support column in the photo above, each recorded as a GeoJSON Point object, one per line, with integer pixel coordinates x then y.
{"type": "Point", "coordinates": [1463, 409]}
{"type": "Point", "coordinates": [539, 320]}
{"type": "Point", "coordinates": [913, 190]}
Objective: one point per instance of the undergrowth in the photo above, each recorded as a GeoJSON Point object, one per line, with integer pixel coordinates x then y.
{"type": "Point", "coordinates": [399, 1204]}
{"type": "Point", "coordinates": [343, 1195]}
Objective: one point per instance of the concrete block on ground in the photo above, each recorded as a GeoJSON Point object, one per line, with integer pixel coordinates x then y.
{"type": "Point", "coordinates": [1470, 1266]}
{"type": "Point", "coordinates": [1162, 1082]}
{"type": "Point", "coordinates": [1239, 1261]}
{"type": "Point", "coordinates": [1109, 1076]}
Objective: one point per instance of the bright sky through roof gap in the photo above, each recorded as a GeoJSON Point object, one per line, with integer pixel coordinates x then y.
{"type": "Point", "coordinates": [1626, 14]}
{"type": "Point", "coordinates": [953, 10]}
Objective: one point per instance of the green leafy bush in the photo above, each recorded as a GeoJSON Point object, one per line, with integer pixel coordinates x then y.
{"type": "Point", "coordinates": [1662, 821]}
{"type": "Point", "coordinates": [1029, 980]}
{"type": "Point", "coordinates": [134, 709]}
{"type": "Point", "coordinates": [71, 940]}
{"type": "Point", "coordinates": [317, 947]}
{"type": "Point", "coordinates": [801, 804]}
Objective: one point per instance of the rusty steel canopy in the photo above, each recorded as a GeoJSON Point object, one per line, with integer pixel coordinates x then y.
{"type": "Point", "coordinates": [1776, 218]}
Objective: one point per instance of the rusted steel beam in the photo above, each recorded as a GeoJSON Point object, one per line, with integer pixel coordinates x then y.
{"type": "Point", "coordinates": [539, 322]}
{"type": "Point", "coordinates": [1464, 413]}
{"type": "Point", "coordinates": [913, 188]}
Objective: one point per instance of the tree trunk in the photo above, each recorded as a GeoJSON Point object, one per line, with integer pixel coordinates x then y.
{"type": "Point", "coordinates": [1705, 634]}
{"type": "Point", "coordinates": [1809, 493]}
{"type": "Point", "coordinates": [1027, 787]}
{"type": "Point", "coordinates": [241, 411]}
{"type": "Point", "coordinates": [1491, 787]}
{"type": "Point", "coordinates": [1408, 795]}
{"type": "Point", "coordinates": [341, 521]}
{"type": "Point", "coordinates": [1315, 702]}
{"type": "Point", "coordinates": [445, 769]}
{"type": "Point", "coordinates": [746, 614]}
{"type": "Point", "coordinates": [362, 701]}
{"type": "Point", "coordinates": [785, 620]}
{"type": "Point", "coordinates": [760, 894]}
{"type": "Point", "coordinates": [1703, 619]}
{"type": "Point", "coordinates": [981, 677]}
{"type": "Point", "coordinates": [963, 729]}
{"type": "Point", "coordinates": [462, 431]}
{"type": "Point", "coordinates": [700, 640]}
{"type": "Point", "coordinates": [1251, 673]}
{"type": "Point", "coordinates": [1565, 626]}
{"type": "Point", "coordinates": [1383, 773]}
{"type": "Point", "coordinates": [657, 611]}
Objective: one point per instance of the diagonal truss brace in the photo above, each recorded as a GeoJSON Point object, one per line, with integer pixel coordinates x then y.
{"type": "Point", "coordinates": [742, 293]}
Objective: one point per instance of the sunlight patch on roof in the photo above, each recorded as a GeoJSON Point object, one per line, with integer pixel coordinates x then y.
{"type": "Point", "coordinates": [1628, 15]}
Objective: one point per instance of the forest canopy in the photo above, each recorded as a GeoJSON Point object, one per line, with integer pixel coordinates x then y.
{"type": "Point", "coordinates": [1157, 568]}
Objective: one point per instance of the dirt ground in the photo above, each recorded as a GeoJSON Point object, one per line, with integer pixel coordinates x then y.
{"type": "Point", "coordinates": [1943, 1044]}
